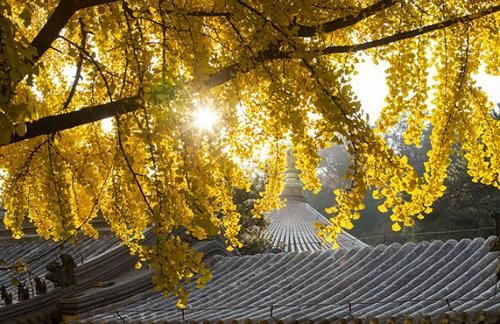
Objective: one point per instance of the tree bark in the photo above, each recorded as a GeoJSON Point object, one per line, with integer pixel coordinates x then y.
{"type": "Point", "coordinates": [56, 22]}
{"type": "Point", "coordinates": [336, 24]}
{"type": "Point", "coordinates": [52, 124]}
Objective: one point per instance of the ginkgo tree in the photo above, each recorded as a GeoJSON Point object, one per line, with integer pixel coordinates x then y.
{"type": "Point", "coordinates": [270, 72]}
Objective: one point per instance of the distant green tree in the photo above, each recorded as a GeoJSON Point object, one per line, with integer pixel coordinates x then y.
{"type": "Point", "coordinates": [465, 208]}
{"type": "Point", "coordinates": [252, 228]}
{"type": "Point", "coordinates": [463, 211]}
{"type": "Point", "coordinates": [335, 163]}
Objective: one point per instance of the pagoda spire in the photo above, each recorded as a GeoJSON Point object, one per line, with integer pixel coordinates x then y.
{"type": "Point", "coordinates": [291, 228]}
{"type": "Point", "coordinates": [294, 189]}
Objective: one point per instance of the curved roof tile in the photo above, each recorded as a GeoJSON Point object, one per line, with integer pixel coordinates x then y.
{"type": "Point", "coordinates": [382, 282]}
{"type": "Point", "coordinates": [291, 229]}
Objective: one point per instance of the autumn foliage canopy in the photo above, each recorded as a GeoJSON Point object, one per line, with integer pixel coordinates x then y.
{"type": "Point", "coordinates": [274, 73]}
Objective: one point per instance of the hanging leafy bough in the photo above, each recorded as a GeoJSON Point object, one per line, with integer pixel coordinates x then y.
{"type": "Point", "coordinates": [272, 72]}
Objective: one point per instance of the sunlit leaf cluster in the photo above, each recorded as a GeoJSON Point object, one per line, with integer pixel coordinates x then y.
{"type": "Point", "coordinates": [276, 73]}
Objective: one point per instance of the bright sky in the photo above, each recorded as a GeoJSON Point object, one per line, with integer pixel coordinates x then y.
{"type": "Point", "coordinates": [369, 85]}
{"type": "Point", "coordinates": [371, 89]}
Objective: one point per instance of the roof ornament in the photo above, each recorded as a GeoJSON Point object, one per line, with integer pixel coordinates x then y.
{"type": "Point", "coordinates": [23, 293]}
{"type": "Point", "coordinates": [5, 296]}
{"type": "Point", "coordinates": [40, 286]}
{"type": "Point", "coordinates": [495, 246]}
{"type": "Point", "coordinates": [62, 275]}
{"type": "Point", "coordinates": [293, 189]}
{"type": "Point", "coordinates": [291, 228]}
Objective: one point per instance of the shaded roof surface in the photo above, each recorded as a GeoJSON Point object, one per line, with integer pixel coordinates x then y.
{"type": "Point", "coordinates": [417, 280]}
{"type": "Point", "coordinates": [291, 229]}
{"type": "Point", "coordinates": [37, 253]}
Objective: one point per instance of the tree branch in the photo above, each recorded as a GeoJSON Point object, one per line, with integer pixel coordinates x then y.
{"type": "Point", "coordinates": [229, 71]}
{"type": "Point", "coordinates": [407, 34]}
{"type": "Point", "coordinates": [198, 13]}
{"type": "Point", "coordinates": [82, 4]}
{"type": "Point", "coordinates": [56, 22]}
{"type": "Point", "coordinates": [52, 124]}
{"type": "Point", "coordinates": [86, 115]}
{"type": "Point", "coordinates": [79, 67]}
{"type": "Point", "coordinates": [339, 23]}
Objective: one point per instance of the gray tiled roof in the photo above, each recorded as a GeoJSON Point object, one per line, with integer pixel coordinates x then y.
{"type": "Point", "coordinates": [37, 253]}
{"type": "Point", "coordinates": [398, 281]}
{"type": "Point", "coordinates": [291, 228]}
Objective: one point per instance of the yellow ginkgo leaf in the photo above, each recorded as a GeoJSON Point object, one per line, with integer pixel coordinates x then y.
{"type": "Point", "coordinates": [396, 227]}
{"type": "Point", "coordinates": [382, 208]}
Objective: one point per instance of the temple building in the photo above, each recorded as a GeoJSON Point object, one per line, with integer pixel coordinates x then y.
{"type": "Point", "coordinates": [291, 228]}
{"type": "Point", "coordinates": [426, 282]}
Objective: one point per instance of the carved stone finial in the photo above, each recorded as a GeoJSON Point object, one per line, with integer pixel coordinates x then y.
{"type": "Point", "coordinates": [62, 275]}
{"type": "Point", "coordinates": [6, 297]}
{"type": "Point", "coordinates": [23, 292]}
{"type": "Point", "coordinates": [40, 286]}
{"type": "Point", "coordinates": [496, 218]}
{"type": "Point", "coordinates": [495, 245]}
{"type": "Point", "coordinates": [293, 189]}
